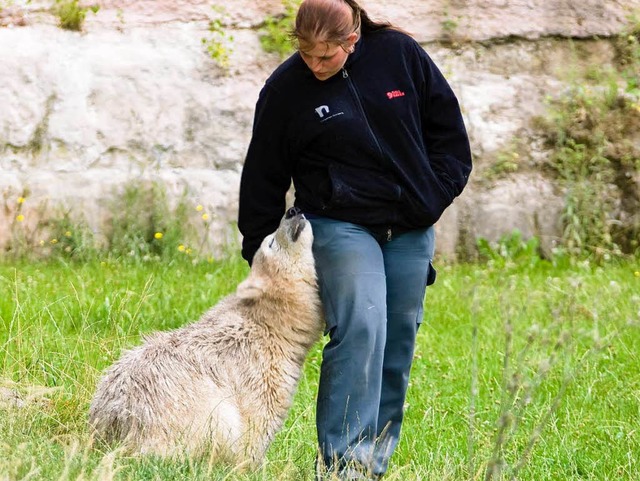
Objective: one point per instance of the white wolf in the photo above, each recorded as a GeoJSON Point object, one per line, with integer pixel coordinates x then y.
{"type": "Point", "coordinates": [221, 387]}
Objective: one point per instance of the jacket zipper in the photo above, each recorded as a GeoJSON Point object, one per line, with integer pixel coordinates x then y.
{"type": "Point", "coordinates": [354, 91]}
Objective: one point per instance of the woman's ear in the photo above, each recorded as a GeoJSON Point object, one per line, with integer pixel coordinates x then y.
{"type": "Point", "coordinates": [349, 45]}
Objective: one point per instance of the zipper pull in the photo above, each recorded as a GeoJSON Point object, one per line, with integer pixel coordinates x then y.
{"type": "Point", "coordinates": [389, 234]}
{"type": "Point", "coordinates": [344, 73]}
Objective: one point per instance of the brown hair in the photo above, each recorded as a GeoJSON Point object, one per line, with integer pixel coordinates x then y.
{"type": "Point", "coordinates": [329, 21]}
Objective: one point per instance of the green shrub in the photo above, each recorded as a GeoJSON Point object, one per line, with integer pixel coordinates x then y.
{"type": "Point", "coordinates": [449, 30]}
{"type": "Point", "coordinates": [511, 249]}
{"type": "Point", "coordinates": [20, 236]}
{"type": "Point", "coordinates": [69, 237]}
{"type": "Point", "coordinates": [590, 129]}
{"type": "Point", "coordinates": [275, 34]}
{"type": "Point", "coordinates": [628, 53]}
{"type": "Point", "coordinates": [217, 45]}
{"type": "Point", "coordinates": [71, 15]}
{"type": "Point", "coordinates": [144, 226]}
{"type": "Point", "coordinates": [509, 160]}
{"type": "Point", "coordinates": [35, 235]}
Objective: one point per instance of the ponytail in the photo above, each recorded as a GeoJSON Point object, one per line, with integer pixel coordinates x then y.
{"type": "Point", "coordinates": [329, 21]}
{"type": "Point", "coordinates": [361, 17]}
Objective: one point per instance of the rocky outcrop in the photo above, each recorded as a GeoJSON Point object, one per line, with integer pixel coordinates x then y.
{"type": "Point", "coordinates": [135, 96]}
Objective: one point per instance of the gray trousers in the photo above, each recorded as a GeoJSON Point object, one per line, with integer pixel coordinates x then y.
{"type": "Point", "coordinates": [372, 291]}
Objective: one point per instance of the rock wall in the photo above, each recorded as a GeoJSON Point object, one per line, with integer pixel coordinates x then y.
{"type": "Point", "coordinates": [134, 96]}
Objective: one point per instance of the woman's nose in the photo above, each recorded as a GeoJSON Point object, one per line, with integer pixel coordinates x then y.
{"type": "Point", "coordinates": [314, 64]}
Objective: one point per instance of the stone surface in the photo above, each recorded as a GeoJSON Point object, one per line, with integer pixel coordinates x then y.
{"type": "Point", "coordinates": [135, 96]}
{"type": "Point", "coordinates": [476, 20]}
{"type": "Point", "coordinates": [526, 202]}
{"type": "Point", "coordinates": [481, 20]}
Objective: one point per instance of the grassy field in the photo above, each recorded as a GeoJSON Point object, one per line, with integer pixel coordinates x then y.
{"type": "Point", "coordinates": [524, 371]}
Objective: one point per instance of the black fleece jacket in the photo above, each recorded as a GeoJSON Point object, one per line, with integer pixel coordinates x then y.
{"type": "Point", "coordinates": [381, 143]}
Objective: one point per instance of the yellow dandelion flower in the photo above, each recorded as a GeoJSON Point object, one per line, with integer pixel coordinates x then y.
{"type": "Point", "coordinates": [199, 208]}
{"type": "Point", "coordinates": [188, 251]}
{"type": "Point", "coordinates": [53, 241]}
{"type": "Point", "coordinates": [21, 200]}
{"type": "Point", "coordinates": [20, 218]}
{"type": "Point", "coordinates": [41, 243]}
{"type": "Point", "coordinates": [158, 235]}
{"type": "Point", "coordinates": [636, 273]}
{"type": "Point", "coordinates": [205, 216]}
{"type": "Point", "coordinates": [67, 234]}
{"type": "Point", "coordinates": [103, 264]}
{"type": "Point", "coordinates": [181, 248]}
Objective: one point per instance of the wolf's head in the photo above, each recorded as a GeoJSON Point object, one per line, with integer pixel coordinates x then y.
{"type": "Point", "coordinates": [284, 258]}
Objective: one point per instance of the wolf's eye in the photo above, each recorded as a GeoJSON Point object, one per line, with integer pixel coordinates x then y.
{"type": "Point", "coordinates": [271, 243]}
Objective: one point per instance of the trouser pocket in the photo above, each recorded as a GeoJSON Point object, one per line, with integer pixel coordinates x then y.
{"type": "Point", "coordinates": [431, 274]}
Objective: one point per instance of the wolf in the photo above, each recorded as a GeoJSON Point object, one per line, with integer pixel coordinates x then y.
{"type": "Point", "coordinates": [221, 387]}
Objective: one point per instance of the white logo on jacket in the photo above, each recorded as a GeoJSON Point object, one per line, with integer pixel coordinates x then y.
{"type": "Point", "coordinates": [323, 109]}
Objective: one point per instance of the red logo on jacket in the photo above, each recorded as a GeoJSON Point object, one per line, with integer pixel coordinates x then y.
{"type": "Point", "coordinates": [395, 93]}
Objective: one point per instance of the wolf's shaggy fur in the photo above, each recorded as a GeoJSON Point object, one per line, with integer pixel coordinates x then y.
{"type": "Point", "coordinates": [221, 387]}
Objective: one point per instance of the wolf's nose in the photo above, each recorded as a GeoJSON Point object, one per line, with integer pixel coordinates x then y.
{"type": "Point", "coordinates": [294, 211]}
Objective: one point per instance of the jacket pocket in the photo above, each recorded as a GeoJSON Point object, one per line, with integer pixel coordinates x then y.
{"type": "Point", "coordinates": [452, 173]}
{"type": "Point", "coordinates": [426, 203]}
{"type": "Point", "coordinates": [361, 188]}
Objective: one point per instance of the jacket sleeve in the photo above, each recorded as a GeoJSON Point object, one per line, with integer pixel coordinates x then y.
{"type": "Point", "coordinates": [444, 132]}
{"type": "Point", "coordinates": [266, 175]}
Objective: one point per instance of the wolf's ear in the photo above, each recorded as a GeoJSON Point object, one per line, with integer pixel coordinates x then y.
{"type": "Point", "coordinates": [251, 288]}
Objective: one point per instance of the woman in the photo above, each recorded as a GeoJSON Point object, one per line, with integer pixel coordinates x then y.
{"type": "Point", "coordinates": [372, 136]}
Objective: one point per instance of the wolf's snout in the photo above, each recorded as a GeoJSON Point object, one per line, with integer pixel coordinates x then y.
{"type": "Point", "coordinates": [298, 228]}
{"type": "Point", "coordinates": [292, 212]}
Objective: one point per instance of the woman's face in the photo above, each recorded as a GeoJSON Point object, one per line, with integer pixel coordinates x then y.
{"type": "Point", "coordinates": [324, 59]}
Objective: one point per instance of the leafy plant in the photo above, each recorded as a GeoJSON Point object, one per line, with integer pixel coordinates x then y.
{"type": "Point", "coordinates": [449, 28]}
{"type": "Point", "coordinates": [510, 249]}
{"type": "Point", "coordinates": [509, 160]}
{"type": "Point", "coordinates": [217, 45]}
{"type": "Point", "coordinates": [628, 51]}
{"type": "Point", "coordinates": [591, 128]}
{"type": "Point", "coordinates": [275, 34]}
{"type": "Point", "coordinates": [506, 163]}
{"type": "Point", "coordinates": [69, 238]}
{"type": "Point", "coordinates": [20, 228]}
{"type": "Point", "coordinates": [144, 226]}
{"type": "Point", "coordinates": [71, 14]}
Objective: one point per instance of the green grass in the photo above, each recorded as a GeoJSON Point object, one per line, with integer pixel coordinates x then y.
{"type": "Point", "coordinates": [570, 382]}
